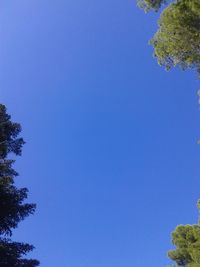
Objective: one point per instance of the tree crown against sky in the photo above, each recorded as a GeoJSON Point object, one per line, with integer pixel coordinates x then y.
{"type": "Point", "coordinates": [186, 239]}
{"type": "Point", "coordinates": [151, 4]}
{"type": "Point", "coordinates": [177, 41]}
{"type": "Point", "coordinates": [13, 209]}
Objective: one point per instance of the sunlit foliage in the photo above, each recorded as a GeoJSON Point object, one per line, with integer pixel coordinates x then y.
{"type": "Point", "coordinates": [177, 41]}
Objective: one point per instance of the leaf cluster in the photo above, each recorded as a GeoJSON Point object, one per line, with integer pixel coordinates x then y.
{"type": "Point", "coordinates": [148, 5]}
{"type": "Point", "coordinates": [186, 238]}
{"type": "Point", "coordinates": [177, 41]}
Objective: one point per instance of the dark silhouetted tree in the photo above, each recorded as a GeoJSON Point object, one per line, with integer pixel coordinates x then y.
{"type": "Point", "coordinates": [13, 209]}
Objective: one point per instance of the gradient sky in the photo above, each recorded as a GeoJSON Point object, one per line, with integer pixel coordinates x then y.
{"type": "Point", "coordinates": [111, 157]}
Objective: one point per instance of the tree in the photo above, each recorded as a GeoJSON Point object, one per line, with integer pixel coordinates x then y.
{"type": "Point", "coordinates": [177, 41]}
{"type": "Point", "coordinates": [13, 209]}
{"type": "Point", "coordinates": [151, 4]}
{"type": "Point", "coordinates": [186, 238]}
{"type": "Point", "coordinates": [11, 252]}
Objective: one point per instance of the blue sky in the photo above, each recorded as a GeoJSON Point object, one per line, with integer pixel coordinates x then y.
{"type": "Point", "coordinates": [111, 157]}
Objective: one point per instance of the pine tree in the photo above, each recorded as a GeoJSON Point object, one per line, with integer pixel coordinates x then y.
{"type": "Point", "coordinates": [13, 209]}
{"type": "Point", "coordinates": [186, 238]}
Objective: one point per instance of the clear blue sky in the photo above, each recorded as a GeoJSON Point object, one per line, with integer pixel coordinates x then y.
{"type": "Point", "coordinates": [111, 156]}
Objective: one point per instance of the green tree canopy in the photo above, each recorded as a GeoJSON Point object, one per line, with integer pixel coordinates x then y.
{"type": "Point", "coordinates": [150, 4]}
{"type": "Point", "coordinates": [177, 41]}
{"type": "Point", "coordinates": [186, 239]}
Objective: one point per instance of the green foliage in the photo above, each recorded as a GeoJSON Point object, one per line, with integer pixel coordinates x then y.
{"type": "Point", "coordinates": [13, 209]}
{"type": "Point", "coordinates": [186, 238]}
{"type": "Point", "coordinates": [198, 204]}
{"type": "Point", "coordinates": [177, 42]}
{"type": "Point", "coordinates": [150, 4]}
